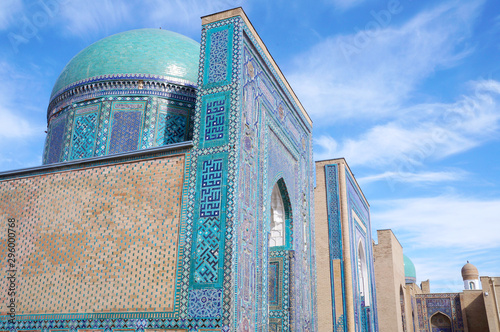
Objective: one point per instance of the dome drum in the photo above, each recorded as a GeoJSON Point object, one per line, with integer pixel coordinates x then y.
{"type": "Point", "coordinates": [135, 87]}
{"type": "Point", "coordinates": [130, 91]}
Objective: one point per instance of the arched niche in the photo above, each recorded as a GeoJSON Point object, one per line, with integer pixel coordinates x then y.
{"type": "Point", "coordinates": [281, 217]}
{"type": "Point", "coordinates": [363, 281]}
{"type": "Point", "coordinates": [440, 322]}
{"type": "Point", "coordinates": [403, 311]}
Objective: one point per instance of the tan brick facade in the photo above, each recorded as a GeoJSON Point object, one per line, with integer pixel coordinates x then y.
{"type": "Point", "coordinates": [98, 239]}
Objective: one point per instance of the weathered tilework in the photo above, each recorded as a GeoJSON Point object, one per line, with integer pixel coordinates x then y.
{"type": "Point", "coordinates": [219, 56]}
{"type": "Point", "coordinates": [334, 228]}
{"type": "Point", "coordinates": [435, 305]}
{"type": "Point", "coordinates": [275, 325]}
{"type": "Point", "coordinates": [279, 261]}
{"type": "Point", "coordinates": [266, 155]}
{"type": "Point", "coordinates": [447, 303]}
{"type": "Point", "coordinates": [274, 285]}
{"type": "Point", "coordinates": [205, 303]}
{"type": "Point", "coordinates": [103, 129]}
{"type": "Point", "coordinates": [206, 264]}
{"type": "Point", "coordinates": [126, 126]}
{"type": "Point", "coordinates": [84, 133]}
{"type": "Point", "coordinates": [172, 115]}
{"type": "Point", "coordinates": [56, 141]}
{"type": "Point", "coordinates": [359, 217]}
{"type": "Point", "coordinates": [214, 128]}
{"type": "Point", "coordinates": [96, 240]}
{"type": "Point", "coordinates": [172, 125]}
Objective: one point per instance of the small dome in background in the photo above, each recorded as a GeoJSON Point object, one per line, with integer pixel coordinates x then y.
{"type": "Point", "coordinates": [410, 272]}
{"type": "Point", "coordinates": [469, 272]}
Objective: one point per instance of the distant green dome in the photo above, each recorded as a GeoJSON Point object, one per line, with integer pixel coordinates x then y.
{"type": "Point", "coordinates": [136, 53]}
{"type": "Point", "coordinates": [410, 272]}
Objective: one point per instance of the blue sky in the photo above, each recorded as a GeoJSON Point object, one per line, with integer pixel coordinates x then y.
{"type": "Point", "coordinates": [407, 91]}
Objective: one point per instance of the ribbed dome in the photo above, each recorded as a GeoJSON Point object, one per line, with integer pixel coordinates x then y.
{"type": "Point", "coordinates": [154, 52]}
{"type": "Point", "coordinates": [470, 272]}
{"type": "Point", "coordinates": [410, 271]}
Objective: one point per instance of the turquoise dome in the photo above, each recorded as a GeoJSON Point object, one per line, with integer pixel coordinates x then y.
{"type": "Point", "coordinates": [147, 52]}
{"type": "Point", "coordinates": [410, 272]}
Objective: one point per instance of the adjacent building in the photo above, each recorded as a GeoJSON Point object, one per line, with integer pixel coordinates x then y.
{"type": "Point", "coordinates": [404, 306]}
{"type": "Point", "coordinates": [346, 284]}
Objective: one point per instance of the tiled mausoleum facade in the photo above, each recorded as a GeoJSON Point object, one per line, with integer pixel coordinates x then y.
{"type": "Point", "coordinates": [343, 238]}
{"type": "Point", "coordinates": [176, 192]}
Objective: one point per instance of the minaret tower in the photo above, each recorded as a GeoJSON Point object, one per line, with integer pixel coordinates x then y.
{"type": "Point", "coordinates": [470, 276]}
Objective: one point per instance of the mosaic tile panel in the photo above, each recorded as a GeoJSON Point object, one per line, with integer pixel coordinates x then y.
{"type": "Point", "coordinates": [275, 325]}
{"type": "Point", "coordinates": [214, 128]}
{"type": "Point", "coordinates": [274, 284]}
{"type": "Point", "coordinates": [101, 239]}
{"type": "Point", "coordinates": [359, 230]}
{"type": "Point", "coordinates": [84, 132]}
{"type": "Point", "coordinates": [205, 303]}
{"type": "Point", "coordinates": [207, 265]}
{"type": "Point", "coordinates": [126, 125]}
{"type": "Point", "coordinates": [447, 303]}
{"type": "Point", "coordinates": [56, 141]}
{"type": "Point", "coordinates": [280, 308]}
{"type": "Point", "coordinates": [171, 128]}
{"type": "Point", "coordinates": [267, 153]}
{"type": "Point", "coordinates": [218, 56]}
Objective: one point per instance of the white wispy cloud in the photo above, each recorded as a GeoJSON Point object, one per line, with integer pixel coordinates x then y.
{"type": "Point", "coordinates": [427, 132]}
{"type": "Point", "coordinates": [414, 177]}
{"type": "Point", "coordinates": [15, 124]}
{"type": "Point", "coordinates": [9, 12]}
{"type": "Point", "coordinates": [461, 223]}
{"type": "Point", "coordinates": [372, 71]}
{"type": "Point", "coordinates": [441, 233]}
{"type": "Point", "coordinates": [20, 130]}
{"type": "Point", "coordinates": [83, 18]}
{"type": "Point", "coordinates": [346, 4]}
{"type": "Point", "coordinates": [183, 14]}
{"type": "Point", "coordinates": [100, 17]}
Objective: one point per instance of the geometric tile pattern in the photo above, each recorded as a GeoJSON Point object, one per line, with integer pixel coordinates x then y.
{"type": "Point", "coordinates": [83, 141]}
{"type": "Point", "coordinates": [207, 251]}
{"type": "Point", "coordinates": [149, 134]}
{"type": "Point", "coordinates": [96, 240]}
{"type": "Point", "coordinates": [211, 183]}
{"type": "Point", "coordinates": [215, 115]}
{"type": "Point", "coordinates": [279, 294]}
{"type": "Point", "coordinates": [275, 325]}
{"type": "Point", "coordinates": [268, 152]}
{"type": "Point", "coordinates": [218, 58]}
{"type": "Point", "coordinates": [171, 128]}
{"type": "Point", "coordinates": [333, 201]}
{"type": "Point", "coordinates": [99, 98]}
{"type": "Point", "coordinates": [359, 230]}
{"type": "Point", "coordinates": [56, 139]}
{"type": "Point", "coordinates": [126, 126]}
{"type": "Point", "coordinates": [274, 283]}
{"type": "Point", "coordinates": [206, 260]}
{"type": "Point", "coordinates": [214, 122]}
{"type": "Point", "coordinates": [334, 233]}
{"type": "Point", "coordinates": [205, 303]}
